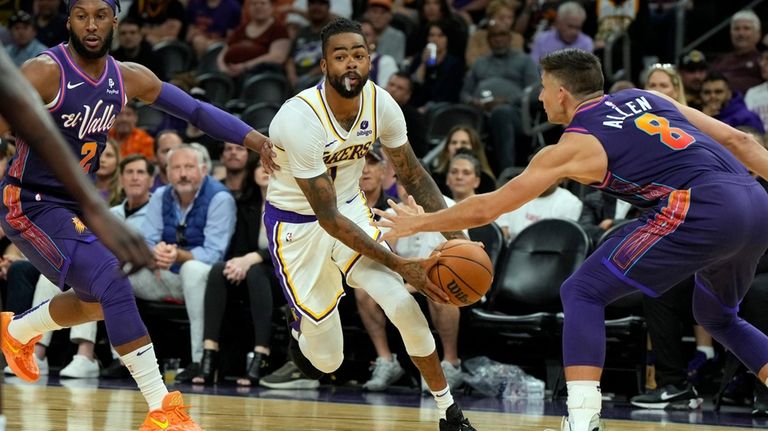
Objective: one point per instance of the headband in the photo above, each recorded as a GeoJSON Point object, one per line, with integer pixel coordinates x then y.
{"type": "Point", "coordinates": [113, 4]}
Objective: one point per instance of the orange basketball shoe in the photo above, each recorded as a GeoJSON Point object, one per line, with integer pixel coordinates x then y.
{"type": "Point", "coordinates": [172, 416]}
{"type": "Point", "coordinates": [20, 357]}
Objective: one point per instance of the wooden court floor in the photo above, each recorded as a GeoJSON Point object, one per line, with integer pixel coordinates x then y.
{"type": "Point", "coordinates": [43, 408]}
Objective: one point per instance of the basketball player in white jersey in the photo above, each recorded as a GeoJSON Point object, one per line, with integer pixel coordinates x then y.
{"type": "Point", "coordinates": [319, 225]}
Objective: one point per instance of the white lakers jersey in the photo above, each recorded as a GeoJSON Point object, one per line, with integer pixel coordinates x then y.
{"type": "Point", "coordinates": [309, 141]}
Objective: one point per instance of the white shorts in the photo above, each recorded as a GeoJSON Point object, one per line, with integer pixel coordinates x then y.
{"type": "Point", "coordinates": [309, 262]}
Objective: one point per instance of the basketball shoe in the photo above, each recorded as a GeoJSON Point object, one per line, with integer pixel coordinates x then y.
{"type": "Point", "coordinates": [20, 357]}
{"type": "Point", "coordinates": [455, 420]}
{"type": "Point", "coordinates": [595, 424]}
{"type": "Point", "coordinates": [669, 397]}
{"type": "Point", "coordinates": [172, 416]}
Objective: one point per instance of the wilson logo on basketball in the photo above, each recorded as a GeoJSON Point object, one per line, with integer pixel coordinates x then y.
{"type": "Point", "coordinates": [457, 293]}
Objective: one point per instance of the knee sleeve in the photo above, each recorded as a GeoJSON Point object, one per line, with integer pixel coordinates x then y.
{"type": "Point", "coordinates": [711, 313]}
{"type": "Point", "coordinates": [323, 344]}
{"type": "Point", "coordinates": [121, 315]}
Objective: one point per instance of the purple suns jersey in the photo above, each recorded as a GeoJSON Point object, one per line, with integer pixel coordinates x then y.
{"type": "Point", "coordinates": [84, 110]}
{"type": "Point", "coordinates": [652, 148]}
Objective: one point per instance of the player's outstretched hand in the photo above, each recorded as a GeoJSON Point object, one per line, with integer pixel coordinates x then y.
{"type": "Point", "coordinates": [402, 222]}
{"type": "Point", "coordinates": [414, 271]}
{"type": "Point", "coordinates": [129, 246]}
{"type": "Point", "coordinates": [268, 155]}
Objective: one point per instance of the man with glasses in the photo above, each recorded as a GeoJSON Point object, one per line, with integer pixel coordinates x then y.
{"type": "Point", "coordinates": [188, 225]}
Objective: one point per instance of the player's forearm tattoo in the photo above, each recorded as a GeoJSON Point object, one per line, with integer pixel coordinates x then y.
{"type": "Point", "coordinates": [419, 184]}
{"type": "Point", "coordinates": [321, 195]}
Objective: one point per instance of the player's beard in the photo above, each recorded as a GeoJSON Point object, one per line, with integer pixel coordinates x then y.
{"type": "Point", "coordinates": [85, 52]}
{"type": "Point", "coordinates": [337, 82]}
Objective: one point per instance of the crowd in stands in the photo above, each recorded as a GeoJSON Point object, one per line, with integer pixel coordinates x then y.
{"type": "Point", "coordinates": [199, 201]}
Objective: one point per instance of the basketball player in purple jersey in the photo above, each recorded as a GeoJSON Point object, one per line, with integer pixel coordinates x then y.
{"type": "Point", "coordinates": [706, 214]}
{"type": "Point", "coordinates": [84, 89]}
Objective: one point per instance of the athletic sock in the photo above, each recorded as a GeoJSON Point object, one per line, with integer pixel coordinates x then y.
{"type": "Point", "coordinates": [142, 363]}
{"type": "Point", "coordinates": [33, 322]}
{"type": "Point", "coordinates": [584, 401]}
{"type": "Point", "coordinates": [708, 351]}
{"type": "Point", "coordinates": [444, 399]}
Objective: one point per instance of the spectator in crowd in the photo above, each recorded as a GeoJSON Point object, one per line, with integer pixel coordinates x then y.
{"type": "Point", "coordinates": [464, 174]}
{"type": "Point", "coordinates": [400, 87]}
{"type": "Point", "coordinates": [160, 20]}
{"type": "Point", "coordinates": [566, 32]}
{"type": "Point", "coordinates": [247, 263]}
{"type": "Point", "coordinates": [107, 178]}
{"type": "Point", "coordinates": [500, 14]}
{"type": "Point", "coordinates": [438, 77]}
{"type": "Point", "coordinates": [259, 43]}
{"type": "Point", "coordinates": [432, 12]}
{"type": "Point", "coordinates": [166, 141]}
{"type": "Point", "coordinates": [299, 14]}
{"type": "Point", "coordinates": [188, 224]}
{"type": "Point", "coordinates": [601, 211]}
{"type": "Point", "coordinates": [133, 47]}
{"type": "Point", "coordinates": [613, 18]}
{"type": "Point", "coordinates": [390, 41]}
{"type": "Point", "coordinates": [665, 79]}
{"type": "Point", "coordinates": [495, 84]}
{"type": "Point", "coordinates": [693, 69]}
{"type": "Point", "coordinates": [136, 173]}
{"type": "Point", "coordinates": [24, 45]}
{"type": "Point", "coordinates": [555, 202]}
{"type": "Point", "coordinates": [621, 84]}
{"type": "Point", "coordinates": [722, 103]}
{"type": "Point", "coordinates": [741, 66]}
{"type": "Point", "coordinates": [210, 21]}
{"type": "Point", "coordinates": [50, 22]}
{"type": "Point", "coordinates": [445, 318]}
{"type": "Point", "coordinates": [130, 138]}
{"type": "Point", "coordinates": [382, 65]}
{"type": "Point", "coordinates": [193, 134]}
{"type": "Point", "coordinates": [303, 65]}
{"type": "Point", "coordinates": [458, 138]}
{"type": "Point", "coordinates": [757, 96]}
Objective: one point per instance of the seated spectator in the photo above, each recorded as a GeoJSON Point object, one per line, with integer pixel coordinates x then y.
{"type": "Point", "coordinates": [741, 66]}
{"type": "Point", "coordinates": [210, 21]}
{"type": "Point", "coordinates": [107, 178]}
{"type": "Point", "coordinates": [400, 88]}
{"type": "Point", "coordinates": [495, 84]}
{"type": "Point", "coordinates": [693, 69]}
{"type": "Point", "coordinates": [258, 43]}
{"type": "Point", "coordinates": [166, 141]}
{"type": "Point", "coordinates": [445, 318]}
{"type": "Point", "coordinates": [455, 29]}
{"type": "Point", "coordinates": [556, 202]}
{"type": "Point", "coordinates": [24, 45]}
{"type": "Point", "coordinates": [463, 176]}
{"type": "Point", "coordinates": [160, 20]}
{"type": "Point", "coordinates": [390, 41]}
{"type": "Point", "coordinates": [722, 103]}
{"type": "Point", "coordinates": [299, 14]}
{"type": "Point", "coordinates": [188, 225]}
{"type": "Point", "coordinates": [601, 211]}
{"type": "Point", "coordinates": [665, 79]}
{"type": "Point", "coordinates": [499, 14]}
{"type": "Point", "coordinates": [130, 138]}
{"type": "Point", "coordinates": [50, 22]}
{"type": "Point", "coordinates": [757, 96]}
{"type": "Point", "coordinates": [462, 138]}
{"type": "Point", "coordinates": [192, 134]}
{"type": "Point", "coordinates": [612, 18]}
{"type": "Point", "coordinates": [382, 65]}
{"type": "Point", "coordinates": [133, 47]}
{"type": "Point", "coordinates": [303, 65]}
{"type": "Point", "coordinates": [247, 263]}
{"type": "Point", "coordinates": [566, 32]}
{"type": "Point", "coordinates": [438, 77]}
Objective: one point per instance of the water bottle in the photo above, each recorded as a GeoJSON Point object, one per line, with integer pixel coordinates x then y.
{"type": "Point", "coordinates": [432, 59]}
{"type": "Point", "coordinates": [523, 386]}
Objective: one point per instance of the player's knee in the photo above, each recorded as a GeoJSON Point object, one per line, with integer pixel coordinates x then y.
{"type": "Point", "coordinates": [713, 317]}
{"type": "Point", "coordinates": [403, 311]}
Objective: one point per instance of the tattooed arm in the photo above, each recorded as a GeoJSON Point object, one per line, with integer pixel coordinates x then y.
{"type": "Point", "coordinates": [321, 195]}
{"type": "Point", "coordinates": [417, 181]}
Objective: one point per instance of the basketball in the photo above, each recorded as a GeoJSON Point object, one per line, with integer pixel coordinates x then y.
{"type": "Point", "coordinates": [464, 271]}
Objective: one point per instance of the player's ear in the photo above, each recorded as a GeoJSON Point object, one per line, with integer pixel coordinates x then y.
{"type": "Point", "coordinates": [323, 66]}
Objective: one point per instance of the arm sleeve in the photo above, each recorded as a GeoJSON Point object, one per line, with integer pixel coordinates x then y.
{"type": "Point", "coordinates": [297, 130]}
{"type": "Point", "coordinates": [393, 131]}
{"type": "Point", "coordinates": [219, 226]}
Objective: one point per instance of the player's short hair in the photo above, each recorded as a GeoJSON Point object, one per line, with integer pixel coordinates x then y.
{"type": "Point", "coordinates": [339, 26]}
{"type": "Point", "coordinates": [136, 157]}
{"type": "Point", "coordinates": [580, 72]}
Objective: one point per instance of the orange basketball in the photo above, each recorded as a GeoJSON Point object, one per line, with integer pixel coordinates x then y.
{"type": "Point", "coordinates": [464, 271]}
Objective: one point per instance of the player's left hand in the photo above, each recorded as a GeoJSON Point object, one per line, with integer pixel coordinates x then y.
{"type": "Point", "coordinates": [414, 271]}
{"type": "Point", "coordinates": [129, 246]}
{"type": "Point", "coordinates": [402, 222]}
{"type": "Point", "coordinates": [262, 145]}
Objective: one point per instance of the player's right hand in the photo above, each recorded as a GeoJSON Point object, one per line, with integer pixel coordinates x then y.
{"type": "Point", "coordinates": [414, 272]}
{"type": "Point", "coordinates": [129, 246]}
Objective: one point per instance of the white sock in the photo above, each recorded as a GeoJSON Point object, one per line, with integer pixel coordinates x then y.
{"type": "Point", "coordinates": [709, 351]}
{"type": "Point", "coordinates": [32, 323]}
{"type": "Point", "coordinates": [142, 363]}
{"type": "Point", "coordinates": [584, 402]}
{"type": "Point", "coordinates": [444, 399]}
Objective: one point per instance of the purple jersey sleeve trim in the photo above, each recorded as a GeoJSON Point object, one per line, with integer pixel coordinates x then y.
{"type": "Point", "coordinates": [581, 130]}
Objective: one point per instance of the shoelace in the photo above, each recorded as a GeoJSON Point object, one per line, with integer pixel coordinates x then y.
{"type": "Point", "coordinates": [181, 412]}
